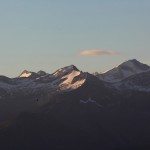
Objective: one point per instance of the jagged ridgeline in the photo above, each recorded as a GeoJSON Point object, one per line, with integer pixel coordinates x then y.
{"type": "Point", "coordinates": [72, 109]}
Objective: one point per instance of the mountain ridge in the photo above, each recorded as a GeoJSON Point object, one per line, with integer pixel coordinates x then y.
{"type": "Point", "coordinates": [71, 109]}
{"type": "Point", "coordinates": [135, 61]}
{"type": "Point", "coordinates": [70, 78]}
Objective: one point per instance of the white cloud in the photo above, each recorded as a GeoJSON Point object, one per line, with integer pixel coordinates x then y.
{"type": "Point", "coordinates": [97, 52]}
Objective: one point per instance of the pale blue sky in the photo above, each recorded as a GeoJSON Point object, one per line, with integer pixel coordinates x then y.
{"type": "Point", "coordinates": [49, 34]}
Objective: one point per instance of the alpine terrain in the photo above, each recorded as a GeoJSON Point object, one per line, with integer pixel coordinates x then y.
{"type": "Point", "coordinates": [70, 109]}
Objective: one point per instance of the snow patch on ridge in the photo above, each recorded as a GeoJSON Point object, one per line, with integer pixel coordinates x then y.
{"type": "Point", "coordinates": [70, 77]}
{"type": "Point", "coordinates": [90, 101]}
{"type": "Point", "coordinates": [67, 85]}
{"type": "Point", "coordinates": [64, 71]}
{"type": "Point", "coordinates": [25, 75]}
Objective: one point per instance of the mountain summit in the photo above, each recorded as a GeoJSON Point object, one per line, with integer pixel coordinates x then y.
{"type": "Point", "coordinates": [29, 74]}
{"type": "Point", "coordinates": [25, 74]}
{"type": "Point", "coordinates": [124, 70]}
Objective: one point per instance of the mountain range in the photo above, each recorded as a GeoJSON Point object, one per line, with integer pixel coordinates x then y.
{"type": "Point", "coordinates": [71, 109]}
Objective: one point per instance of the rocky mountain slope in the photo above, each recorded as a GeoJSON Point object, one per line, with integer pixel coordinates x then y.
{"type": "Point", "coordinates": [71, 109]}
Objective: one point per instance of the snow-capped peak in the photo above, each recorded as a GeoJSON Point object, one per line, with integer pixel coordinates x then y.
{"type": "Point", "coordinates": [134, 65]}
{"type": "Point", "coordinates": [25, 74]}
{"type": "Point", "coordinates": [124, 70]}
{"type": "Point", "coordinates": [64, 71]}
{"type": "Point", "coordinates": [69, 78]}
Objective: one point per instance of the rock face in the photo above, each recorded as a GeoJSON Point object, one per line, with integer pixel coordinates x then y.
{"type": "Point", "coordinates": [71, 109]}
